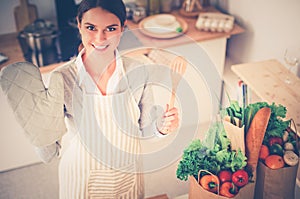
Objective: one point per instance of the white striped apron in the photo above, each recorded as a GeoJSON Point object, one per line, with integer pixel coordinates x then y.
{"type": "Point", "coordinates": [101, 161]}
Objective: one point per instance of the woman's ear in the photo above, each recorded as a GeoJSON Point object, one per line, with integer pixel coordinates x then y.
{"type": "Point", "coordinates": [78, 23]}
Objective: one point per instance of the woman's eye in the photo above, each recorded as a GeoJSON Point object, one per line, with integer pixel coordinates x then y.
{"type": "Point", "coordinates": [90, 27]}
{"type": "Point", "coordinates": [109, 29]}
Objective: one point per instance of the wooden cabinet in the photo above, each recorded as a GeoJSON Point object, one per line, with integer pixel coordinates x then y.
{"type": "Point", "coordinates": [206, 52]}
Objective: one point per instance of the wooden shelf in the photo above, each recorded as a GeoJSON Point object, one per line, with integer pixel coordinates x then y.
{"type": "Point", "coordinates": [191, 35]}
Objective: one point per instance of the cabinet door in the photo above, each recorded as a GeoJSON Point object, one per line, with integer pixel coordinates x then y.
{"type": "Point", "coordinates": [15, 149]}
{"type": "Point", "coordinates": [216, 50]}
{"type": "Point", "coordinates": [204, 74]}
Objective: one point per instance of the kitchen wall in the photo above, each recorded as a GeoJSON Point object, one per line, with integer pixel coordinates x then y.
{"type": "Point", "coordinates": [271, 27]}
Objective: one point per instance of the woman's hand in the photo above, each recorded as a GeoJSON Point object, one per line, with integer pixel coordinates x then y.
{"type": "Point", "coordinates": [169, 122]}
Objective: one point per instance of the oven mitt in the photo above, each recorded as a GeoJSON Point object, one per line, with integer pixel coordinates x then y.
{"type": "Point", "coordinates": [39, 110]}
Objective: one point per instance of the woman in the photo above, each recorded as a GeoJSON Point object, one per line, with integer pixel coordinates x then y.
{"type": "Point", "coordinates": [107, 103]}
{"type": "Point", "coordinates": [101, 23]}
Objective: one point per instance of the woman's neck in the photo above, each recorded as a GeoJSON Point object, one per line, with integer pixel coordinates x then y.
{"type": "Point", "coordinates": [100, 68]}
{"type": "Point", "coordinates": [96, 65]}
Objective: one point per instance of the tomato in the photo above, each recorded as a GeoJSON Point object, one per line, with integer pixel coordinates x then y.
{"type": "Point", "coordinates": [228, 189]}
{"type": "Point", "coordinates": [225, 176]}
{"type": "Point", "coordinates": [275, 140]}
{"type": "Point", "coordinates": [274, 162]}
{"type": "Point", "coordinates": [210, 183]}
{"type": "Point", "coordinates": [264, 152]}
{"type": "Point", "coordinates": [240, 178]}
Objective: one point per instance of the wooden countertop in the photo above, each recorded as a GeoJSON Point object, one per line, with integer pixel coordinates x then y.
{"type": "Point", "coordinates": [163, 196]}
{"type": "Point", "coordinates": [9, 46]}
{"type": "Point", "coordinates": [267, 80]}
{"type": "Point", "coordinates": [191, 35]}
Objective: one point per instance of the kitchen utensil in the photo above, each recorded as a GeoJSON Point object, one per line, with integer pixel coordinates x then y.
{"type": "Point", "coordinates": [3, 58]}
{"type": "Point", "coordinates": [38, 41]}
{"type": "Point", "coordinates": [24, 14]}
{"type": "Point", "coordinates": [178, 67]}
{"type": "Point", "coordinates": [189, 5]}
{"type": "Point", "coordinates": [153, 7]}
{"type": "Point", "coordinates": [166, 6]}
{"type": "Point", "coordinates": [39, 35]}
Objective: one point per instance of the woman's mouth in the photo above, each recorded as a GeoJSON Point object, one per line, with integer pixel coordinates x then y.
{"type": "Point", "coordinates": [100, 47]}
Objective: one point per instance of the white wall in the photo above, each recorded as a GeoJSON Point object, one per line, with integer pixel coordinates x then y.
{"type": "Point", "coordinates": [271, 26]}
{"type": "Point", "coordinates": [46, 10]}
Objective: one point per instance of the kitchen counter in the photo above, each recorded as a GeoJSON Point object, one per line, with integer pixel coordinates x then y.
{"type": "Point", "coordinates": [192, 33]}
{"type": "Point", "coordinates": [267, 80]}
{"type": "Point", "coordinates": [9, 46]}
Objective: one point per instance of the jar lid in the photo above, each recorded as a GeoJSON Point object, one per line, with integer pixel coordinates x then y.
{"type": "Point", "coordinates": [39, 28]}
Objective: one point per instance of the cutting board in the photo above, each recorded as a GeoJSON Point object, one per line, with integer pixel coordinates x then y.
{"type": "Point", "coordinates": [25, 14]}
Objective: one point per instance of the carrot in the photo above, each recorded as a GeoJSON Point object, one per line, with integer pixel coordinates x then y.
{"type": "Point", "coordinates": [255, 136]}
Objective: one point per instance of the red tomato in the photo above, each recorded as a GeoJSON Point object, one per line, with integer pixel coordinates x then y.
{"type": "Point", "coordinates": [228, 189]}
{"type": "Point", "coordinates": [275, 140]}
{"type": "Point", "coordinates": [240, 178]}
{"type": "Point", "coordinates": [264, 152]}
{"type": "Point", "coordinates": [225, 176]}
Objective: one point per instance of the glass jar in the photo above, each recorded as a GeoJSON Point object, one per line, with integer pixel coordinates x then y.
{"type": "Point", "coordinates": [166, 6]}
{"type": "Point", "coordinates": [153, 7]}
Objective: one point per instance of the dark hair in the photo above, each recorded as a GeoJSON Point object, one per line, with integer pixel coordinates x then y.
{"type": "Point", "coordinates": [115, 7]}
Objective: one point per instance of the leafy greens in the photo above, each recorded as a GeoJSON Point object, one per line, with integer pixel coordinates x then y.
{"type": "Point", "coordinates": [205, 156]}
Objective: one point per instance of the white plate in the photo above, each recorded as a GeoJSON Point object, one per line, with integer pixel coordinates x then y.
{"type": "Point", "coordinates": [153, 26]}
{"type": "Point", "coordinates": [163, 26]}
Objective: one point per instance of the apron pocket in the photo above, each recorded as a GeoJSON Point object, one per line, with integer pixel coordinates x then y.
{"type": "Point", "coordinates": [110, 184]}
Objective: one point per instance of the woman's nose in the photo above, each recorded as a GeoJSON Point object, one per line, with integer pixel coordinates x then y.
{"type": "Point", "coordinates": [101, 36]}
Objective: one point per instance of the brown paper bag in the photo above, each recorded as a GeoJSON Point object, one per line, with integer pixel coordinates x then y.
{"type": "Point", "coordinates": [275, 184]}
{"type": "Point", "coordinates": [196, 191]}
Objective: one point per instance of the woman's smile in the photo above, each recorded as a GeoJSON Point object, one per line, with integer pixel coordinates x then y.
{"type": "Point", "coordinates": [100, 35]}
{"type": "Point", "coordinates": [100, 47]}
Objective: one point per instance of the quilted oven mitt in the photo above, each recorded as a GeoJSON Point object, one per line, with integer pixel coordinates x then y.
{"type": "Point", "coordinates": [39, 110]}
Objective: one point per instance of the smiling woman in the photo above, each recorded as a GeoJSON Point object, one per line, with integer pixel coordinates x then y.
{"type": "Point", "coordinates": [94, 110]}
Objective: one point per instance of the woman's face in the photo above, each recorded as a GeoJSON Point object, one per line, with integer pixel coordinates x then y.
{"type": "Point", "coordinates": [100, 31]}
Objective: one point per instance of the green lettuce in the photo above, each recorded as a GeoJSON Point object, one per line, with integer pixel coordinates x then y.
{"type": "Point", "coordinates": [213, 154]}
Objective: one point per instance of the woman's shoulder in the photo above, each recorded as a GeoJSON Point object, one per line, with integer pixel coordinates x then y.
{"type": "Point", "coordinates": [135, 65]}
{"type": "Point", "coordinates": [134, 68]}
{"type": "Point", "coordinates": [68, 69]}
{"type": "Point", "coordinates": [69, 65]}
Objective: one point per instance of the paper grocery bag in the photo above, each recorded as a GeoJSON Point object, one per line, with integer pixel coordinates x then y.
{"type": "Point", "coordinates": [236, 136]}
{"type": "Point", "coordinates": [275, 183]}
{"type": "Point", "coordinates": [197, 192]}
